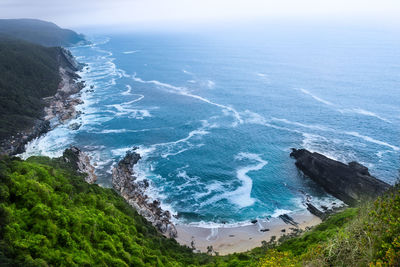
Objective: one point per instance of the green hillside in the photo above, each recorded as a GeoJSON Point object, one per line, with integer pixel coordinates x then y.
{"type": "Point", "coordinates": [39, 32]}
{"type": "Point", "coordinates": [50, 216]}
{"type": "Point", "coordinates": [28, 72]}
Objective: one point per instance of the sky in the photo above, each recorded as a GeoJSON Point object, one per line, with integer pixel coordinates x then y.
{"type": "Point", "coordinates": [163, 13]}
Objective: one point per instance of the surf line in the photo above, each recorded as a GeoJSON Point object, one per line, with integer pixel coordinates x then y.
{"type": "Point", "coordinates": [359, 111]}
{"type": "Point", "coordinates": [183, 91]}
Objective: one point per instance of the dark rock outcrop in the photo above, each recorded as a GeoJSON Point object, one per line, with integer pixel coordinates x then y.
{"type": "Point", "coordinates": [350, 183]}
{"type": "Point", "coordinates": [323, 212]}
{"type": "Point", "coordinates": [133, 191]}
{"type": "Point", "coordinates": [314, 210]}
{"type": "Point", "coordinates": [288, 220]}
{"type": "Point", "coordinates": [80, 161]}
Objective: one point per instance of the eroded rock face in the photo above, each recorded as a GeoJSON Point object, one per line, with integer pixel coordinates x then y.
{"type": "Point", "coordinates": [350, 183]}
{"type": "Point", "coordinates": [133, 191]}
{"type": "Point", "coordinates": [60, 107]}
{"type": "Point", "coordinates": [81, 162]}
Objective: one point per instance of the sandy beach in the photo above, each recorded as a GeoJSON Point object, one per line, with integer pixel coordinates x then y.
{"type": "Point", "coordinates": [230, 239]}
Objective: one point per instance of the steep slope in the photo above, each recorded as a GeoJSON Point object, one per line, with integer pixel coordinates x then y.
{"type": "Point", "coordinates": [51, 216]}
{"type": "Point", "coordinates": [28, 72]}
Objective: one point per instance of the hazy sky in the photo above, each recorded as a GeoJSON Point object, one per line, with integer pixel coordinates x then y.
{"type": "Point", "coordinates": [144, 13]}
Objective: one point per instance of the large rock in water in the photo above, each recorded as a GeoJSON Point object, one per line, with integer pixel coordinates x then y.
{"type": "Point", "coordinates": [350, 183]}
{"type": "Point", "coordinates": [133, 191]}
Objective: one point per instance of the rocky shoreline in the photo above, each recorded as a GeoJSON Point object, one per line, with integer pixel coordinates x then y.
{"type": "Point", "coordinates": [59, 108]}
{"type": "Point", "coordinates": [81, 163]}
{"type": "Point", "coordinates": [133, 190]}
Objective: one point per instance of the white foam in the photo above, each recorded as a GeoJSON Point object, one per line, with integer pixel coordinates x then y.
{"type": "Point", "coordinates": [312, 142]}
{"type": "Point", "coordinates": [120, 151]}
{"type": "Point", "coordinates": [309, 126]}
{"type": "Point", "coordinates": [346, 110]}
{"type": "Point", "coordinates": [184, 91]}
{"type": "Point", "coordinates": [144, 152]}
{"type": "Point", "coordinates": [364, 112]}
{"type": "Point", "coordinates": [380, 154]}
{"type": "Point", "coordinates": [316, 97]}
{"type": "Point", "coordinates": [189, 180]}
{"type": "Point", "coordinates": [130, 52]}
{"type": "Point", "coordinates": [210, 188]}
{"type": "Point", "coordinates": [128, 91]}
{"type": "Point", "coordinates": [121, 110]}
{"type": "Point", "coordinates": [255, 118]}
{"type": "Point", "coordinates": [327, 201]}
{"type": "Point", "coordinates": [242, 195]}
{"type": "Point", "coordinates": [210, 84]}
{"type": "Point", "coordinates": [126, 130]}
{"type": "Point", "coordinates": [211, 225]}
{"type": "Point", "coordinates": [327, 129]}
{"type": "Point", "coordinates": [135, 100]}
{"type": "Point", "coordinates": [278, 212]}
{"type": "Point", "coordinates": [166, 155]}
{"type": "Point", "coordinates": [52, 144]}
{"type": "Point", "coordinates": [372, 140]}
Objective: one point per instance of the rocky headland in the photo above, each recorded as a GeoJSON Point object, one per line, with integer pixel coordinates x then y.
{"type": "Point", "coordinates": [58, 109]}
{"type": "Point", "coordinates": [350, 183]}
{"type": "Point", "coordinates": [80, 162]}
{"type": "Point", "coordinates": [133, 190]}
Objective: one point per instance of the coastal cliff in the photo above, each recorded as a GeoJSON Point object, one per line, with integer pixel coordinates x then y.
{"type": "Point", "coordinates": [62, 105]}
{"type": "Point", "coordinates": [350, 183]}
{"type": "Point", "coordinates": [57, 108]}
{"type": "Point", "coordinates": [133, 191]}
{"type": "Point", "coordinates": [37, 80]}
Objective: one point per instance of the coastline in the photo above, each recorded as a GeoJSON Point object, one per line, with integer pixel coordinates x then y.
{"type": "Point", "coordinates": [224, 240]}
{"type": "Point", "coordinates": [58, 109]}
{"type": "Point", "coordinates": [220, 239]}
{"type": "Point", "coordinates": [231, 239]}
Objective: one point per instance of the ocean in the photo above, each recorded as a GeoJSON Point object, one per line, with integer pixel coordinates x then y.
{"type": "Point", "coordinates": [214, 114]}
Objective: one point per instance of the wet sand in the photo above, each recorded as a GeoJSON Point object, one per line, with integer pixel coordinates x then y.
{"type": "Point", "coordinates": [230, 239]}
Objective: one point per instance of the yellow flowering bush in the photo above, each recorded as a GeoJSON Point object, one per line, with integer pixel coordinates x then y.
{"type": "Point", "coordinates": [274, 258]}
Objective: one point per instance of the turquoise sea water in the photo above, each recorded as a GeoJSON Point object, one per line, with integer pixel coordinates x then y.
{"type": "Point", "coordinates": [215, 114]}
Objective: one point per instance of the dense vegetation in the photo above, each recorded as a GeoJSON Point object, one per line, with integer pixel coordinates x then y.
{"type": "Point", "coordinates": [28, 72]}
{"type": "Point", "coordinates": [50, 216]}
{"type": "Point", "coordinates": [39, 32]}
{"type": "Point", "coordinates": [366, 236]}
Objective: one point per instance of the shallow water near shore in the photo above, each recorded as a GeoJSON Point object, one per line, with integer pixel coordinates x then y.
{"type": "Point", "coordinates": [227, 239]}
{"type": "Point", "coordinates": [214, 116]}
